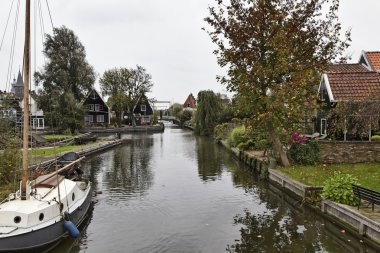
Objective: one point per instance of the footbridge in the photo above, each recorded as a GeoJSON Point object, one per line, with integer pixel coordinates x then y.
{"type": "Point", "coordinates": [173, 119]}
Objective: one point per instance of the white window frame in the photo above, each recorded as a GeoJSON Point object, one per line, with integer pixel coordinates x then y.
{"type": "Point", "coordinates": [97, 107]}
{"type": "Point", "coordinates": [91, 107]}
{"type": "Point", "coordinates": [100, 118]}
{"type": "Point", "coordinates": [90, 119]}
{"type": "Point", "coordinates": [323, 125]}
{"type": "Point", "coordinates": [143, 108]}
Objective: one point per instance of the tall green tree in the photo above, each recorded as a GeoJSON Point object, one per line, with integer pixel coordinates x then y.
{"type": "Point", "coordinates": [124, 87]}
{"type": "Point", "coordinates": [66, 75]}
{"type": "Point", "coordinates": [273, 51]}
{"type": "Point", "coordinates": [207, 115]}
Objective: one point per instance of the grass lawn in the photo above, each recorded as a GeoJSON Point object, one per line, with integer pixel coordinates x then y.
{"type": "Point", "coordinates": [53, 137]}
{"type": "Point", "coordinates": [367, 173]}
{"type": "Point", "coordinates": [54, 150]}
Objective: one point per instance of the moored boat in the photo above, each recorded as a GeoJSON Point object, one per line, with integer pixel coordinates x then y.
{"type": "Point", "coordinates": [50, 207]}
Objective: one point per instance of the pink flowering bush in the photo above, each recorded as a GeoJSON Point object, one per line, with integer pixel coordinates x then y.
{"type": "Point", "coordinates": [298, 138]}
{"type": "Point", "coordinates": [303, 151]}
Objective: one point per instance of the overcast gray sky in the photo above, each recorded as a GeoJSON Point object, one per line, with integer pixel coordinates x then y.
{"type": "Point", "coordinates": [164, 36]}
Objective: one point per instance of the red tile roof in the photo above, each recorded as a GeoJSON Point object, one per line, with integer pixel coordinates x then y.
{"type": "Point", "coordinates": [374, 60]}
{"type": "Point", "coordinates": [354, 86]}
{"type": "Point", "coordinates": [339, 68]}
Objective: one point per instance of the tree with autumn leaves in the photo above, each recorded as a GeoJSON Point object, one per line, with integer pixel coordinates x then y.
{"type": "Point", "coordinates": [274, 52]}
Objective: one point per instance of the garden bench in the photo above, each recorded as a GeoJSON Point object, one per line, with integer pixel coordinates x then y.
{"type": "Point", "coordinates": [373, 197]}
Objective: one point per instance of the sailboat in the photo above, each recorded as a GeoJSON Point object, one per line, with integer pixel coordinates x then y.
{"type": "Point", "coordinates": [47, 209]}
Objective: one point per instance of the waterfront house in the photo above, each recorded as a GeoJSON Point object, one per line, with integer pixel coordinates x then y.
{"type": "Point", "coordinates": [143, 111]}
{"type": "Point", "coordinates": [348, 83]}
{"type": "Point", "coordinates": [97, 112]}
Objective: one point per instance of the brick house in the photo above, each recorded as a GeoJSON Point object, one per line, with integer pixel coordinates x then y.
{"type": "Point", "coordinates": [190, 102]}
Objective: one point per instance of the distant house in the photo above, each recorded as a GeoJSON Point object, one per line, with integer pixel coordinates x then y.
{"type": "Point", "coordinates": [9, 107]}
{"type": "Point", "coordinates": [96, 110]}
{"type": "Point", "coordinates": [37, 119]}
{"type": "Point", "coordinates": [190, 102]}
{"type": "Point", "coordinates": [143, 112]}
{"type": "Point", "coordinates": [348, 83]}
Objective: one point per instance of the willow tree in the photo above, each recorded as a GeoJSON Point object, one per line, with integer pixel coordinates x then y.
{"type": "Point", "coordinates": [208, 110]}
{"type": "Point", "coordinates": [273, 51]}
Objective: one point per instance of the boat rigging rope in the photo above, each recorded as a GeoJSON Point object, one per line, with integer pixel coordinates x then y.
{"type": "Point", "coordinates": [6, 26]}
{"type": "Point", "coordinates": [10, 63]}
{"type": "Point", "coordinates": [51, 20]}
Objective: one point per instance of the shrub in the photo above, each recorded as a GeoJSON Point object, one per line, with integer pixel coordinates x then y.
{"type": "Point", "coordinates": [305, 153]}
{"type": "Point", "coordinates": [221, 131]}
{"type": "Point", "coordinates": [237, 136]}
{"type": "Point", "coordinates": [246, 145]}
{"type": "Point", "coordinates": [338, 188]}
{"type": "Point", "coordinates": [185, 115]}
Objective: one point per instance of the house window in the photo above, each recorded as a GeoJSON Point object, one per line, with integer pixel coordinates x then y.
{"type": "Point", "coordinates": [323, 126]}
{"type": "Point", "coordinates": [90, 118]}
{"type": "Point", "coordinates": [41, 123]}
{"type": "Point", "coordinates": [91, 107]}
{"type": "Point", "coordinates": [145, 119]}
{"type": "Point", "coordinates": [323, 95]}
{"type": "Point", "coordinates": [37, 123]}
{"type": "Point", "coordinates": [99, 118]}
{"type": "Point", "coordinates": [188, 105]}
{"type": "Point", "coordinates": [97, 107]}
{"type": "Point", "coordinates": [143, 108]}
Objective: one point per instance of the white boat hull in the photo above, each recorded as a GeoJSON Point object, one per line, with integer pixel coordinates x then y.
{"type": "Point", "coordinates": [44, 235]}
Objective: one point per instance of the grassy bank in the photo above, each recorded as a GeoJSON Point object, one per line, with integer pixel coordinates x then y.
{"type": "Point", "coordinates": [367, 173]}
{"type": "Point", "coordinates": [54, 150]}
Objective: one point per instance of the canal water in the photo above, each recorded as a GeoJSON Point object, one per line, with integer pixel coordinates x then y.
{"type": "Point", "coordinates": [174, 192]}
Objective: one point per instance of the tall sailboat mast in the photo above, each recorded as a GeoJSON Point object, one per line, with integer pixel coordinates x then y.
{"type": "Point", "coordinates": [25, 145]}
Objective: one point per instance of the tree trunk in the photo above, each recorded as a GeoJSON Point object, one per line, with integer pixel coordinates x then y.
{"type": "Point", "coordinates": [118, 118]}
{"type": "Point", "coordinates": [277, 145]}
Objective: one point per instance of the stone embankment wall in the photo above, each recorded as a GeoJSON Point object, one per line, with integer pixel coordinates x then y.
{"type": "Point", "coordinates": [349, 151]}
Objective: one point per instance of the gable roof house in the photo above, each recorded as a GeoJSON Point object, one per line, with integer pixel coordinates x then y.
{"type": "Point", "coordinates": [190, 103]}
{"type": "Point", "coordinates": [371, 60]}
{"type": "Point", "coordinates": [348, 83]}
{"type": "Point", "coordinates": [97, 111]}
{"type": "Point", "coordinates": [37, 118]}
{"type": "Point", "coordinates": [143, 111]}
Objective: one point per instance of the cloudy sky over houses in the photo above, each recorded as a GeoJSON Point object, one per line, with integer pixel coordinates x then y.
{"type": "Point", "coordinates": [164, 36]}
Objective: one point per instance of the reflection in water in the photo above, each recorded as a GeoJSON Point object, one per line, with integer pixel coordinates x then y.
{"type": "Point", "coordinates": [128, 171]}
{"type": "Point", "coordinates": [286, 227]}
{"type": "Point", "coordinates": [209, 159]}
{"type": "Point", "coordinates": [173, 192]}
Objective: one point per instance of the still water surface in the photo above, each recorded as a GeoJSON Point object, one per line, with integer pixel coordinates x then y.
{"type": "Point", "coordinates": [174, 192]}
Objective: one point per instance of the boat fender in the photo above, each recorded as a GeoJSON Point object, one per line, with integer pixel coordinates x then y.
{"type": "Point", "coordinates": [71, 228]}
